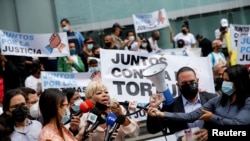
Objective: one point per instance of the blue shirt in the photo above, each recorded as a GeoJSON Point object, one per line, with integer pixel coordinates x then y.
{"type": "Point", "coordinates": [189, 107]}
{"type": "Point", "coordinates": [30, 133]}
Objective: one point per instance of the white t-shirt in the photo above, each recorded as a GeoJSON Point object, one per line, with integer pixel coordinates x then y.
{"type": "Point", "coordinates": [154, 45]}
{"type": "Point", "coordinates": [189, 39]}
{"type": "Point", "coordinates": [217, 36]}
{"type": "Point", "coordinates": [32, 82]}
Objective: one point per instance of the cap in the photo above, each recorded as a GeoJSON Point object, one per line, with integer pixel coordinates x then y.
{"type": "Point", "coordinates": [115, 25]}
{"type": "Point", "coordinates": [224, 23]}
{"type": "Point", "coordinates": [89, 40]}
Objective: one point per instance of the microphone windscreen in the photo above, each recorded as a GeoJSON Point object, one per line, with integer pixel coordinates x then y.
{"type": "Point", "coordinates": [120, 119]}
{"type": "Point", "coordinates": [86, 106]}
{"type": "Point", "coordinates": [111, 118]}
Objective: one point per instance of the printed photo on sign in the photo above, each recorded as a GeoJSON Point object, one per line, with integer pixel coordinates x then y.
{"type": "Point", "coordinates": [150, 21]}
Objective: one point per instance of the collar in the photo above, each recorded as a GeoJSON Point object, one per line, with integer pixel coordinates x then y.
{"type": "Point", "coordinates": [185, 101]}
{"type": "Point", "coordinates": [27, 124]}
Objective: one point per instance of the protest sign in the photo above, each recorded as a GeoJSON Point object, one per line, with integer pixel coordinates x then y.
{"type": "Point", "coordinates": [62, 80]}
{"type": "Point", "coordinates": [36, 45]}
{"type": "Point", "coordinates": [122, 73]}
{"type": "Point", "coordinates": [150, 21]}
{"type": "Point", "coordinates": [243, 50]}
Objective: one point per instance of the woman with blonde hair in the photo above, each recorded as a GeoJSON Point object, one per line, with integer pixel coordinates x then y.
{"type": "Point", "coordinates": [97, 92]}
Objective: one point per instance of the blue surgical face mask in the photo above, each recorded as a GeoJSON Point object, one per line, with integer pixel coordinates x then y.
{"type": "Point", "coordinates": [75, 107]}
{"type": "Point", "coordinates": [227, 88]}
{"type": "Point", "coordinates": [66, 117]}
{"type": "Point", "coordinates": [94, 69]}
{"type": "Point", "coordinates": [90, 46]}
{"type": "Point", "coordinates": [65, 28]}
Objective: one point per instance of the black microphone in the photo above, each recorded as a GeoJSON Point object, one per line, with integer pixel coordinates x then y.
{"type": "Point", "coordinates": [133, 105]}
{"type": "Point", "coordinates": [119, 120]}
{"type": "Point", "coordinates": [129, 104]}
{"type": "Point", "coordinates": [85, 107]}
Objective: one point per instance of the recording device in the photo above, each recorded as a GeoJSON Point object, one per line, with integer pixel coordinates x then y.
{"type": "Point", "coordinates": [110, 121]}
{"type": "Point", "coordinates": [119, 120]}
{"type": "Point", "coordinates": [156, 73]}
{"type": "Point", "coordinates": [85, 107]}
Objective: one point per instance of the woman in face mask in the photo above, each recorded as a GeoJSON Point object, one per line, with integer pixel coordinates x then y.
{"type": "Point", "coordinates": [231, 108]}
{"type": "Point", "coordinates": [54, 107]}
{"type": "Point", "coordinates": [74, 100]}
{"type": "Point", "coordinates": [145, 46]}
{"type": "Point", "coordinates": [14, 121]}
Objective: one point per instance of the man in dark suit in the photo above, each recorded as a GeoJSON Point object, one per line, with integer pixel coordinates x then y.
{"type": "Point", "coordinates": [189, 100]}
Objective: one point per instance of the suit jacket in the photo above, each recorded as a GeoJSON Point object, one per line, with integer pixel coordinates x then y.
{"type": "Point", "coordinates": [154, 124]}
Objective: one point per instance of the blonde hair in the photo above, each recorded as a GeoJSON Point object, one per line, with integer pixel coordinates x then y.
{"type": "Point", "coordinates": [92, 87]}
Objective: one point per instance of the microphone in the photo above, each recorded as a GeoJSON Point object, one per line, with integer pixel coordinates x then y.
{"type": "Point", "coordinates": [119, 120]}
{"type": "Point", "coordinates": [100, 120]}
{"type": "Point", "coordinates": [110, 121]}
{"type": "Point", "coordinates": [85, 107]}
{"type": "Point", "coordinates": [129, 104]}
{"type": "Point", "coordinates": [91, 119]}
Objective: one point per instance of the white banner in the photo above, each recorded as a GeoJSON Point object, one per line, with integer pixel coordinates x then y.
{"type": "Point", "coordinates": [37, 45]}
{"type": "Point", "coordinates": [183, 51]}
{"type": "Point", "coordinates": [150, 21]}
{"type": "Point", "coordinates": [123, 73]}
{"type": "Point", "coordinates": [237, 31]}
{"type": "Point", "coordinates": [62, 80]}
{"type": "Point", "coordinates": [243, 56]}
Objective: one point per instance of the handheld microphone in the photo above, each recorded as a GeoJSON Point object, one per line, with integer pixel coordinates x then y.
{"type": "Point", "coordinates": [91, 119]}
{"type": "Point", "coordinates": [85, 107]}
{"type": "Point", "coordinates": [134, 105]}
{"type": "Point", "coordinates": [129, 104]}
{"type": "Point", "coordinates": [110, 121]}
{"type": "Point", "coordinates": [119, 120]}
{"type": "Point", "coordinates": [100, 120]}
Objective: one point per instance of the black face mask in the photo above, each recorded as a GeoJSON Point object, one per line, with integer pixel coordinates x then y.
{"type": "Point", "coordinates": [184, 31]}
{"type": "Point", "coordinates": [97, 55]}
{"type": "Point", "coordinates": [20, 113]}
{"type": "Point", "coordinates": [101, 107]}
{"type": "Point", "coordinates": [189, 91]}
{"type": "Point", "coordinates": [108, 44]}
{"type": "Point", "coordinates": [218, 83]}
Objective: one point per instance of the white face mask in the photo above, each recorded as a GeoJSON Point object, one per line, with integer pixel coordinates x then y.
{"type": "Point", "coordinates": [35, 111]}
{"type": "Point", "coordinates": [144, 45]}
{"type": "Point", "coordinates": [131, 38]}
